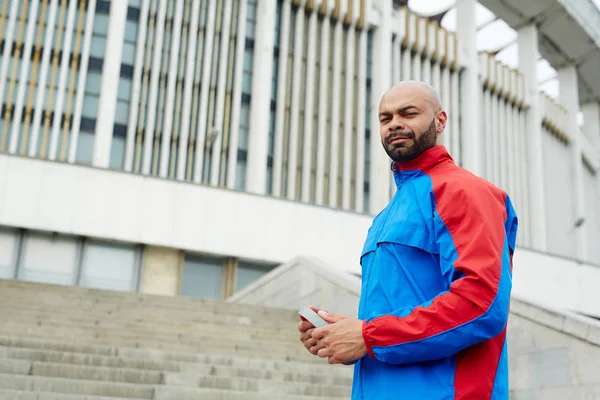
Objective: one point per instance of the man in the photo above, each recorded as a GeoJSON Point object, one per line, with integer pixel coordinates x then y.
{"type": "Point", "coordinates": [436, 272]}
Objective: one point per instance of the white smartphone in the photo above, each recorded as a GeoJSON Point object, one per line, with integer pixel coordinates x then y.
{"type": "Point", "coordinates": [312, 317]}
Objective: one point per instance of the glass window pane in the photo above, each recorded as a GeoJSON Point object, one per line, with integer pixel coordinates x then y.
{"type": "Point", "coordinates": [240, 176]}
{"type": "Point", "coordinates": [98, 46]}
{"type": "Point", "coordinates": [124, 88]}
{"type": "Point", "coordinates": [109, 266]}
{"type": "Point", "coordinates": [49, 258]}
{"type": "Point", "coordinates": [131, 30]}
{"type": "Point", "coordinates": [128, 53]}
{"type": "Point", "coordinates": [8, 253]}
{"type": "Point", "coordinates": [90, 106]}
{"type": "Point", "coordinates": [100, 24]}
{"type": "Point", "coordinates": [202, 277]}
{"type": "Point", "coordinates": [93, 82]}
{"type": "Point", "coordinates": [117, 152]}
{"type": "Point", "coordinates": [85, 147]}
{"type": "Point", "coordinates": [122, 112]}
{"type": "Point", "coordinates": [248, 273]}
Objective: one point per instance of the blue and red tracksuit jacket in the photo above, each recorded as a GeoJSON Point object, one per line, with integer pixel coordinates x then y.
{"type": "Point", "coordinates": [436, 283]}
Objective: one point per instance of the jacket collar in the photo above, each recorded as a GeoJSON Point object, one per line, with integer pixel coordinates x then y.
{"type": "Point", "coordinates": [424, 161]}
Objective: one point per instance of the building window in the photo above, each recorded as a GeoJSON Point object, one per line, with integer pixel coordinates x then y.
{"type": "Point", "coordinates": [248, 273]}
{"type": "Point", "coordinates": [110, 266]}
{"type": "Point", "coordinates": [69, 260]}
{"type": "Point", "coordinates": [9, 240]}
{"type": "Point", "coordinates": [49, 258]}
{"type": "Point", "coordinates": [202, 277]}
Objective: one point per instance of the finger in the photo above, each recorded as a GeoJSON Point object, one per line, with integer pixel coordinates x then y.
{"type": "Point", "coordinates": [310, 343]}
{"type": "Point", "coordinates": [306, 335]}
{"type": "Point", "coordinates": [325, 352]}
{"type": "Point", "coordinates": [331, 318]}
{"type": "Point", "coordinates": [315, 309]}
{"type": "Point", "coordinates": [333, 360]}
{"type": "Point", "coordinates": [303, 326]}
{"type": "Point", "coordinates": [320, 333]}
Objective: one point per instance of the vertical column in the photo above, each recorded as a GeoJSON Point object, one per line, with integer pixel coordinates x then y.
{"type": "Point", "coordinates": [111, 71]}
{"type": "Point", "coordinates": [172, 80]}
{"type": "Point", "coordinates": [310, 104]}
{"type": "Point", "coordinates": [281, 95]}
{"type": "Point", "coordinates": [591, 116]}
{"type": "Point", "coordinates": [470, 87]}
{"type": "Point", "coordinates": [379, 181]}
{"type": "Point", "coordinates": [220, 113]}
{"type": "Point", "coordinates": [62, 82]}
{"type": "Point", "coordinates": [528, 50]}
{"type": "Point", "coordinates": [137, 83]}
{"type": "Point", "coordinates": [258, 140]}
{"type": "Point", "coordinates": [85, 56]}
{"type": "Point", "coordinates": [297, 78]}
{"type": "Point", "coordinates": [322, 131]}
{"type": "Point", "coordinates": [569, 97]}
{"type": "Point", "coordinates": [236, 101]}
{"type": "Point", "coordinates": [360, 120]}
{"type": "Point", "coordinates": [348, 116]}
{"type": "Point", "coordinates": [23, 77]}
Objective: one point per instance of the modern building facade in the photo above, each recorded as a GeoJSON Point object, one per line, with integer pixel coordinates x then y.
{"type": "Point", "coordinates": [187, 146]}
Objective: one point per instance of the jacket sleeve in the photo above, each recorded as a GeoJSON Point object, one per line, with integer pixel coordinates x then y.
{"type": "Point", "coordinates": [475, 232]}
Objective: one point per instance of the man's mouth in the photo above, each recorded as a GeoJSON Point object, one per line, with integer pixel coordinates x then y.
{"type": "Point", "coordinates": [399, 139]}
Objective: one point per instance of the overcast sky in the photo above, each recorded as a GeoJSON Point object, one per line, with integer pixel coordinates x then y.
{"type": "Point", "coordinates": [494, 34]}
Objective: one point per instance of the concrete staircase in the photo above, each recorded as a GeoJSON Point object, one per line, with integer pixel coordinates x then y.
{"type": "Point", "coordinates": [68, 343]}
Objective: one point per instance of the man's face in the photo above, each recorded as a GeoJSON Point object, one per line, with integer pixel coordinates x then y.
{"type": "Point", "coordinates": [409, 123]}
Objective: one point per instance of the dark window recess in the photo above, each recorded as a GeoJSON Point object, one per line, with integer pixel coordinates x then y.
{"type": "Point", "coordinates": [95, 64]}
{"type": "Point", "coordinates": [369, 82]}
{"type": "Point", "coordinates": [120, 130]}
{"type": "Point", "coordinates": [246, 98]}
{"type": "Point", "coordinates": [88, 125]}
{"type": "Point", "coordinates": [366, 187]}
{"type": "Point", "coordinates": [367, 132]}
{"type": "Point", "coordinates": [242, 155]}
{"type": "Point", "coordinates": [249, 43]}
{"type": "Point", "coordinates": [273, 105]}
{"type": "Point", "coordinates": [270, 162]}
{"type": "Point", "coordinates": [126, 71]}
{"type": "Point", "coordinates": [133, 13]}
{"type": "Point", "coordinates": [275, 52]}
{"type": "Point", "coordinates": [103, 6]}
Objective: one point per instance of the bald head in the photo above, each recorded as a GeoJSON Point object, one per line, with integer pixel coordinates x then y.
{"type": "Point", "coordinates": [416, 89]}
{"type": "Point", "coordinates": [410, 119]}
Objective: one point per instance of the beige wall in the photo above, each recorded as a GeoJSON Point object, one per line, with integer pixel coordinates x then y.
{"type": "Point", "coordinates": [161, 270]}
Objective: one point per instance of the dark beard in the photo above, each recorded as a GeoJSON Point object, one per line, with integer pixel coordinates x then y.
{"type": "Point", "coordinates": [399, 153]}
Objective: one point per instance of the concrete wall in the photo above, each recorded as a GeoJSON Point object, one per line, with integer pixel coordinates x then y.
{"type": "Point", "coordinates": [553, 355]}
{"type": "Point", "coordinates": [303, 282]}
{"type": "Point", "coordinates": [161, 271]}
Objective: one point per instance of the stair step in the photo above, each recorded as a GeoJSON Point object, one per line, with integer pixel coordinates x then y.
{"type": "Point", "coordinates": [74, 386]}
{"type": "Point", "coordinates": [29, 395]}
{"type": "Point", "coordinates": [200, 363]}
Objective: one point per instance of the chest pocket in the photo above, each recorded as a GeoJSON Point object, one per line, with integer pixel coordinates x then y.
{"type": "Point", "coordinates": [409, 234]}
{"type": "Point", "coordinates": [406, 221]}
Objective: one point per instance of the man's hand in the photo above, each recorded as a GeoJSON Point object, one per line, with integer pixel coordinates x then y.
{"type": "Point", "coordinates": [341, 341]}
{"type": "Point", "coordinates": [306, 329]}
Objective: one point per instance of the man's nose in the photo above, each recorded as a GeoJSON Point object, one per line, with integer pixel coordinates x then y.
{"type": "Point", "coordinates": [397, 123]}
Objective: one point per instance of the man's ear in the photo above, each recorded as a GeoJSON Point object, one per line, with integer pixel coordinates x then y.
{"type": "Point", "coordinates": [441, 119]}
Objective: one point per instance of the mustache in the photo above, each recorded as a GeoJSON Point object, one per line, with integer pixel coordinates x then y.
{"type": "Point", "coordinates": [399, 134]}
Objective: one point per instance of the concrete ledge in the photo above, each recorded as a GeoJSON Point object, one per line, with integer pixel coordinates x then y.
{"type": "Point", "coordinates": [572, 324]}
